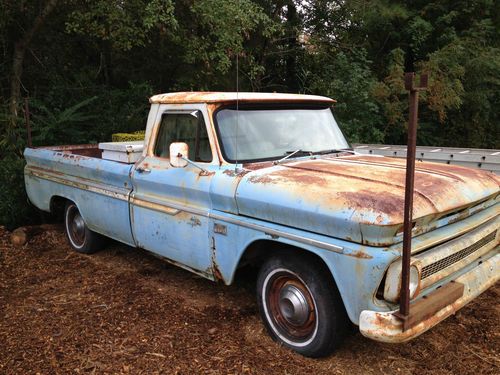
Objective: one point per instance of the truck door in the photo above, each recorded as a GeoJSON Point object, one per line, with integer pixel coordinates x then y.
{"type": "Point", "coordinates": [169, 206]}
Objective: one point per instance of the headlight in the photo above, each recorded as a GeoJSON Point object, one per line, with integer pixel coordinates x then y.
{"type": "Point", "coordinates": [392, 287]}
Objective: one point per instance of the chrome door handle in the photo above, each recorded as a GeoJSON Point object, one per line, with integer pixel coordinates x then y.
{"type": "Point", "coordinates": [143, 170]}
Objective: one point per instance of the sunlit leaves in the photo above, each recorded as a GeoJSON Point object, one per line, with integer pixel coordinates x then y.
{"type": "Point", "coordinates": [123, 23]}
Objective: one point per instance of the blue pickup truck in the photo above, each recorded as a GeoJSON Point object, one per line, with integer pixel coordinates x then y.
{"type": "Point", "coordinates": [227, 180]}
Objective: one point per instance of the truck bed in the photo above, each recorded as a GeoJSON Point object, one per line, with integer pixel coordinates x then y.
{"type": "Point", "coordinates": [90, 150]}
{"type": "Point", "coordinates": [78, 173]}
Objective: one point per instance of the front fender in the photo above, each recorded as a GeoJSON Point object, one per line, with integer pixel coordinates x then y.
{"type": "Point", "coordinates": [357, 270]}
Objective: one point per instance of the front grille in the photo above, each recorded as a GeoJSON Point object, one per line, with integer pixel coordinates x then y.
{"type": "Point", "coordinates": [441, 264]}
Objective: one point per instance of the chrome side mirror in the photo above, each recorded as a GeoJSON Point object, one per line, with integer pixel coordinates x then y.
{"type": "Point", "coordinates": [179, 152]}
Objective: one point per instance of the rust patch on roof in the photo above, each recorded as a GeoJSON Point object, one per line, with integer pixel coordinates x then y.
{"type": "Point", "coordinates": [224, 97]}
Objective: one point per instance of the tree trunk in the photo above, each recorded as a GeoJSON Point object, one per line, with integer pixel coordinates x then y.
{"type": "Point", "coordinates": [292, 45]}
{"type": "Point", "coordinates": [20, 48]}
{"type": "Point", "coordinates": [15, 80]}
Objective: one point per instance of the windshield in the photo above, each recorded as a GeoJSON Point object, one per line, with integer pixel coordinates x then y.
{"type": "Point", "coordinates": [266, 134]}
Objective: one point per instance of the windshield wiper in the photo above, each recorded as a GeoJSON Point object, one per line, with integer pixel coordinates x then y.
{"type": "Point", "coordinates": [292, 153]}
{"type": "Point", "coordinates": [333, 151]}
{"type": "Point", "coordinates": [300, 152]}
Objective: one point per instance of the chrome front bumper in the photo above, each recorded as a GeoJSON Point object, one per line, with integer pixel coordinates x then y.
{"type": "Point", "coordinates": [386, 327]}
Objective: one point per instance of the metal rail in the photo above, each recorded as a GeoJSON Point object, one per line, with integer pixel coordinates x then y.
{"type": "Point", "coordinates": [487, 159]}
{"type": "Point", "coordinates": [413, 89]}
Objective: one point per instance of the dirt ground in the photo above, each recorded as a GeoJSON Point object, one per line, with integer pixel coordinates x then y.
{"type": "Point", "coordinates": [124, 311]}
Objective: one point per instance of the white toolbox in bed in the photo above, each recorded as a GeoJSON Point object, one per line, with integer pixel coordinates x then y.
{"type": "Point", "coordinates": [124, 152]}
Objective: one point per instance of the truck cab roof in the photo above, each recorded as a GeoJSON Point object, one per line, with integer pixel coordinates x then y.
{"type": "Point", "coordinates": [225, 97]}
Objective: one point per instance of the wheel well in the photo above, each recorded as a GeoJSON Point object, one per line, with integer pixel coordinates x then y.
{"type": "Point", "coordinates": [257, 252]}
{"type": "Point", "coordinates": [261, 250]}
{"type": "Point", "coordinates": [57, 205]}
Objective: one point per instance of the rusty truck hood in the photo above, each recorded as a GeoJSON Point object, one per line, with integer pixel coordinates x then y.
{"type": "Point", "coordinates": [359, 198]}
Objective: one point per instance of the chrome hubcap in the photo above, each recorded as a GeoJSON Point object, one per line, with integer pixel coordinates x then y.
{"type": "Point", "coordinates": [78, 226]}
{"type": "Point", "coordinates": [75, 226]}
{"type": "Point", "coordinates": [293, 305]}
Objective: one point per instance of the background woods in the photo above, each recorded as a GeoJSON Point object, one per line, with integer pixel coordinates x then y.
{"type": "Point", "coordinates": [87, 67]}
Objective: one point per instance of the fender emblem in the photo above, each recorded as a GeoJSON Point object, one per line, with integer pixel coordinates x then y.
{"type": "Point", "coordinates": [220, 229]}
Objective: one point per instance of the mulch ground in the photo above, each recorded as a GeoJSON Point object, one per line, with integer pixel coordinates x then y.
{"type": "Point", "coordinates": [124, 311]}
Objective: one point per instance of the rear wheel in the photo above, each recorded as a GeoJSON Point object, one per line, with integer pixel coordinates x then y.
{"type": "Point", "coordinates": [300, 305]}
{"type": "Point", "coordinates": [80, 237]}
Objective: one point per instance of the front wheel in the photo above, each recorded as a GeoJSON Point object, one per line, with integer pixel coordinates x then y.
{"type": "Point", "coordinates": [80, 237]}
{"type": "Point", "coordinates": [300, 305]}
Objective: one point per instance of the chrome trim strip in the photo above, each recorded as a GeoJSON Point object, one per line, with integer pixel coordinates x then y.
{"type": "Point", "coordinates": [154, 204]}
{"type": "Point", "coordinates": [279, 233]}
{"type": "Point", "coordinates": [171, 208]}
{"type": "Point", "coordinates": [79, 183]}
{"type": "Point", "coordinates": [161, 206]}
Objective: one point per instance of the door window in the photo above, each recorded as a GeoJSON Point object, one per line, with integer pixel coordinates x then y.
{"type": "Point", "coordinates": [189, 128]}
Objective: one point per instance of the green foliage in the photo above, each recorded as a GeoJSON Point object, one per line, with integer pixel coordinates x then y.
{"type": "Point", "coordinates": [222, 29]}
{"type": "Point", "coordinates": [119, 110]}
{"type": "Point", "coordinates": [91, 65]}
{"type": "Point", "coordinates": [90, 120]}
{"type": "Point", "coordinates": [210, 35]}
{"type": "Point", "coordinates": [346, 78]}
{"type": "Point", "coordinates": [445, 89]}
{"type": "Point", "coordinates": [12, 139]}
{"type": "Point", "coordinates": [391, 94]}
{"type": "Point", "coordinates": [14, 207]}
{"type": "Point", "coordinates": [55, 125]}
{"type": "Point", "coordinates": [127, 137]}
{"type": "Point", "coordinates": [123, 23]}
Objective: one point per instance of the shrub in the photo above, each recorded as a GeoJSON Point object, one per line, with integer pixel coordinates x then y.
{"type": "Point", "coordinates": [15, 210]}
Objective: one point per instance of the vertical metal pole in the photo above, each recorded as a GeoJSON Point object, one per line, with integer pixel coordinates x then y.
{"type": "Point", "coordinates": [404, 301]}
{"type": "Point", "coordinates": [27, 119]}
